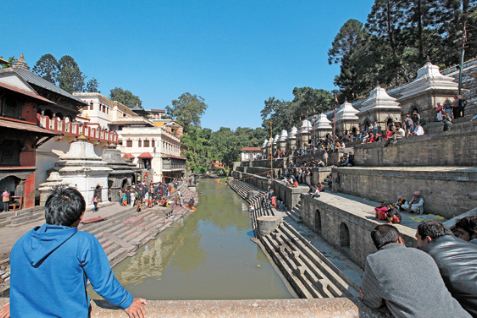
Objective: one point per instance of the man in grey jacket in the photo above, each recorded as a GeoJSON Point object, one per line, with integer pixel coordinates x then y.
{"type": "Point", "coordinates": [406, 280]}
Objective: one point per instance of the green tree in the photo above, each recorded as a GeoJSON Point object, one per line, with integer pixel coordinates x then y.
{"type": "Point", "coordinates": [92, 86]}
{"type": "Point", "coordinates": [198, 153]}
{"type": "Point", "coordinates": [348, 50]}
{"type": "Point", "coordinates": [187, 110]}
{"type": "Point", "coordinates": [70, 77]}
{"type": "Point", "coordinates": [47, 67]}
{"type": "Point", "coordinates": [308, 101]}
{"type": "Point", "coordinates": [279, 112]}
{"type": "Point", "coordinates": [125, 97]}
{"type": "Point", "coordinates": [11, 60]}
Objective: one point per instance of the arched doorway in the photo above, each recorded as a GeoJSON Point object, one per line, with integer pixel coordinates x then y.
{"type": "Point", "coordinates": [354, 131]}
{"type": "Point", "coordinates": [124, 184]}
{"type": "Point", "coordinates": [389, 122]}
{"type": "Point", "coordinates": [317, 221]}
{"type": "Point", "coordinates": [344, 236]}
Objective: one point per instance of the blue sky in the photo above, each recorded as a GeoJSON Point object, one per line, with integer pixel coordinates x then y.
{"type": "Point", "coordinates": [233, 53]}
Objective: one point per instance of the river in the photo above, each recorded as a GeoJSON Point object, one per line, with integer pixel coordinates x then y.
{"type": "Point", "coordinates": [209, 256]}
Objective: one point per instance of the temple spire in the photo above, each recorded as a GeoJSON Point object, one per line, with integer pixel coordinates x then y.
{"type": "Point", "coordinates": [20, 63]}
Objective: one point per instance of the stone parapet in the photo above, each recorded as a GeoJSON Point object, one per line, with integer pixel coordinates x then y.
{"type": "Point", "coordinates": [452, 148]}
{"type": "Point", "coordinates": [447, 191]}
{"type": "Point", "coordinates": [289, 195]}
{"type": "Point", "coordinates": [280, 308]}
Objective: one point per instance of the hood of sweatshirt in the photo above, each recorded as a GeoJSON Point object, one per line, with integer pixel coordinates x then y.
{"type": "Point", "coordinates": [44, 240]}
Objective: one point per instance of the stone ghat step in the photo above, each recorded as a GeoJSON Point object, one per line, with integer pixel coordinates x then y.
{"type": "Point", "coordinates": [447, 191]}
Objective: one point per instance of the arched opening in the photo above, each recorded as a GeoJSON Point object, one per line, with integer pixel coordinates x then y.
{"type": "Point", "coordinates": [48, 113]}
{"type": "Point", "coordinates": [389, 122]}
{"type": "Point", "coordinates": [366, 124]}
{"type": "Point", "coordinates": [344, 236]}
{"type": "Point", "coordinates": [9, 184]}
{"type": "Point", "coordinates": [354, 131]}
{"type": "Point", "coordinates": [124, 184]}
{"type": "Point", "coordinates": [317, 221]}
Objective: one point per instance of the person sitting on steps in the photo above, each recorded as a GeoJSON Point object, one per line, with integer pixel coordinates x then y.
{"type": "Point", "coordinates": [415, 205]}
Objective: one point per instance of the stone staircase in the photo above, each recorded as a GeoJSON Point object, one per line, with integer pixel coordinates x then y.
{"type": "Point", "coordinates": [20, 217]}
{"type": "Point", "coordinates": [122, 233]}
{"type": "Point", "coordinates": [306, 269]}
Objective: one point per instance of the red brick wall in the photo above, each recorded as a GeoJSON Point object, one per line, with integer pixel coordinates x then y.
{"type": "Point", "coordinates": [29, 191]}
{"type": "Point", "coordinates": [29, 112]}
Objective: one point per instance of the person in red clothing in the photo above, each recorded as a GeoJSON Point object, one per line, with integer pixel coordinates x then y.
{"type": "Point", "coordinates": [5, 200]}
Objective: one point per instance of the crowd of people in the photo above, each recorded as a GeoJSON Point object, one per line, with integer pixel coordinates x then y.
{"type": "Point", "coordinates": [163, 194]}
{"type": "Point", "coordinates": [436, 279]}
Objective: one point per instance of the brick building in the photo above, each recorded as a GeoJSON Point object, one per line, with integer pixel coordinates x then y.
{"type": "Point", "coordinates": [20, 136]}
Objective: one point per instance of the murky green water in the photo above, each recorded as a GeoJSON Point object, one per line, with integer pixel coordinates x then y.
{"type": "Point", "coordinates": [209, 256]}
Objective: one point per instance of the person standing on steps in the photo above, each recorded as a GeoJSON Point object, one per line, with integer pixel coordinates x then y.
{"type": "Point", "coordinates": [5, 200]}
{"type": "Point", "coordinates": [96, 197]}
{"type": "Point", "coordinates": [52, 264]}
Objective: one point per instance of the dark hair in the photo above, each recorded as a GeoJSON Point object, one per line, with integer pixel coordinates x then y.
{"type": "Point", "coordinates": [433, 229]}
{"type": "Point", "coordinates": [384, 234]}
{"type": "Point", "coordinates": [64, 206]}
{"type": "Point", "coordinates": [468, 224]}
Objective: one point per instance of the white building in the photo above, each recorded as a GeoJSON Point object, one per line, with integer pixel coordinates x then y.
{"type": "Point", "coordinates": [153, 144]}
{"type": "Point", "coordinates": [250, 153]}
{"type": "Point", "coordinates": [154, 149]}
{"type": "Point", "coordinates": [103, 111]}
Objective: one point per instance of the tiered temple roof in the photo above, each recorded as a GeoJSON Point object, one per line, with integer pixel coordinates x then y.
{"type": "Point", "coordinates": [305, 126]}
{"type": "Point", "coordinates": [323, 123]}
{"type": "Point", "coordinates": [379, 99]}
{"type": "Point", "coordinates": [284, 135]}
{"type": "Point", "coordinates": [346, 112]}
{"type": "Point", "coordinates": [293, 132]}
{"type": "Point", "coordinates": [428, 78]}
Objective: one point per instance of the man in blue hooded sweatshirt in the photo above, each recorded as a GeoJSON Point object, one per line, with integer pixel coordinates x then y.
{"type": "Point", "coordinates": [51, 264]}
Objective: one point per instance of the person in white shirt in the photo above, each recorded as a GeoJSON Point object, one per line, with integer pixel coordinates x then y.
{"type": "Point", "coordinates": [418, 130]}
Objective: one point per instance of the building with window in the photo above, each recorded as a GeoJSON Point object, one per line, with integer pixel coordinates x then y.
{"type": "Point", "coordinates": [60, 115]}
{"type": "Point", "coordinates": [102, 111]}
{"type": "Point", "coordinates": [20, 136]}
{"type": "Point", "coordinates": [250, 153]}
{"type": "Point", "coordinates": [153, 149]}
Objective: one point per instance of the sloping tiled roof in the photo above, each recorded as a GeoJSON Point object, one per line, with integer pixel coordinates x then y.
{"type": "Point", "coordinates": [31, 94]}
{"type": "Point", "coordinates": [251, 149]}
{"type": "Point", "coordinates": [36, 80]}
{"type": "Point", "coordinates": [24, 126]}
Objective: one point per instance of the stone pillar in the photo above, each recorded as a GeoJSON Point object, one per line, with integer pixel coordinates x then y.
{"type": "Point", "coordinates": [292, 145]}
{"type": "Point", "coordinates": [45, 188]}
{"type": "Point", "coordinates": [305, 137]}
{"type": "Point", "coordinates": [267, 224]}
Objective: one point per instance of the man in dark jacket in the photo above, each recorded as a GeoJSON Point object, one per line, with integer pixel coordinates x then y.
{"type": "Point", "coordinates": [456, 259]}
{"type": "Point", "coordinates": [405, 280]}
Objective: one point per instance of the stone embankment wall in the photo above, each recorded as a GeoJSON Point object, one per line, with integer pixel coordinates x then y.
{"type": "Point", "coordinates": [452, 148]}
{"type": "Point", "coordinates": [289, 195]}
{"type": "Point", "coordinates": [447, 191]}
{"type": "Point", "coordinates": [345, 224]}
